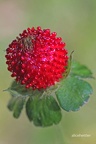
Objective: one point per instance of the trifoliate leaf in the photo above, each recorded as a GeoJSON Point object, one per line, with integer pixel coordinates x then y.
{"type": "Point", "coordinates": [80, 70]}
{"type": "Point", "coordinates": [43, 112]}
{"type": "Point", "coordinates": [73, 93]}
{"type": "Point", "coordinates": [16, 105]}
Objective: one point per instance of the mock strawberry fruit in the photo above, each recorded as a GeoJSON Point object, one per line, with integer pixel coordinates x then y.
{"type": "Point", "coordinates": [37, 58]}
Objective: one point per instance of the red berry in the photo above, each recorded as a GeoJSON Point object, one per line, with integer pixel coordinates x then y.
{"type": "Point", "coordinates": [37, 58]}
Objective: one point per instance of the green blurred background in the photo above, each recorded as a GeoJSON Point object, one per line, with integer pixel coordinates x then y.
{"type": "Point", "coordinates": [75, 22]}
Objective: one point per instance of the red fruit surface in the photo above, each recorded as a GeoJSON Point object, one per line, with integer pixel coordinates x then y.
{"type": "Point", "coordinates": [37, 58]}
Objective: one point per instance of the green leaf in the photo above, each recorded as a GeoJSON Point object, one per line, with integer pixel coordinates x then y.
{"type": "Point", "coordinates": [55, 112]}
{"type": "Point", "coordinates": [73, 93]}
{"type": "Point", "coordinates": [17, 89]}
{"type": "Point", "coordinates": [66, 73]}
{"type": "Point", "coordinates": [11, 103]}
{"type": "Point", "coordinates": [30, 106]}
{"type": "Point", "coordinates": [44, 112]}
{"type": "Point", "coordinates": [80, 70]}
{"type": "Point", "coordinates": [16, 105]}
{"type": "Point", "coordinates": [42, 118]}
